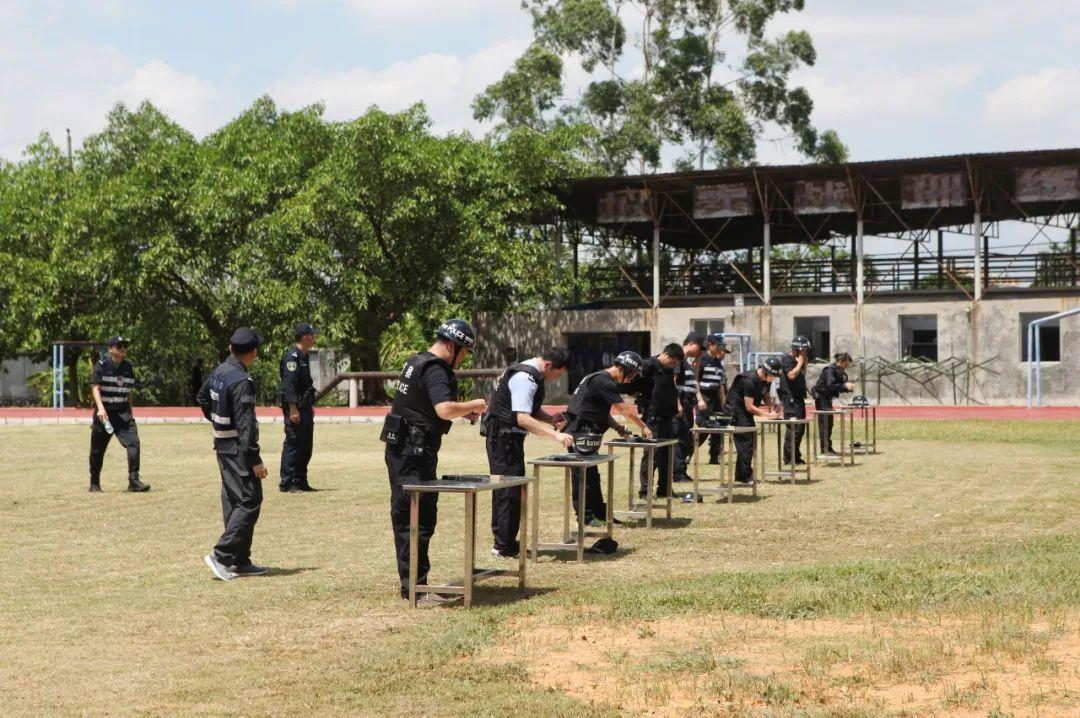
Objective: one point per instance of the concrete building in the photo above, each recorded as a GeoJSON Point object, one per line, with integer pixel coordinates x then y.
{"type": "Point", "coordinates": [926, 270]}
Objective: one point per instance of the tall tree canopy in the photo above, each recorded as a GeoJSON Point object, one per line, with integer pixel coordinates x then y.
{"type": "Point", "coordinates": [705, 81]}
{"type": "Point", "coordinates": [276, 217]}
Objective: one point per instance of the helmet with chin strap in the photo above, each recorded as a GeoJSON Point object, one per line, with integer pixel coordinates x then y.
{"type": "Point", "coordinates": [630, 361]}
{"type": "Point", "coordinates": [772, 366]}
{"type": "Point", "coordinates": [459, 332]}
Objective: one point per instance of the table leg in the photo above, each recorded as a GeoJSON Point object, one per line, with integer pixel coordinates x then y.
{"type": "Point", "coordinates": [851, 448]}
{"type": "Point", "coordinates": [414, 544]}
{"type": "Point", "coordinates": [697, 465]}
{"type": "Point", "coordinates": [536, 516]}
{"type": "Point", "coordinates": [567, 504]}
{"type": "Point", "coordinates": [610, 504]}
{"type": "Point", "coordinates": [843, 444]}
{"type": "Point", "coordinates": [811, 439]}
{"type": "Point", "coordinates": [874, 409]}
{"type": "Point", "coordinates": [523, 533]}
{"type": "Point", "coordinates": [670, 477]}
{"type": "Point", "coordinates": [630, 493]}
{"type": "Point", "coordinates": [580, 518]}
{"type": "Point", "coordinates": [760, 473]}
{"type": "Point", "coordinates": [731, 470]}
{"type": "Point", "coordinates": [650, 489]}
{"type": "Point", "coordinates": [470, 545]}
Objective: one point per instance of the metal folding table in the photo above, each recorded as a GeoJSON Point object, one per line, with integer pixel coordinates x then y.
{"type": "Point", "coordinates": [776, 426]}
{"type": "Point", "coordinates": [727, 462]}
{"type": "Point", "coordinates": [469, 487]}
{"type": "Point", "coordinates": [633, 509]}
{"type": "Point", "coordinates": [567, 462]}
{"type": "Point", "coordinates": [869, 421]}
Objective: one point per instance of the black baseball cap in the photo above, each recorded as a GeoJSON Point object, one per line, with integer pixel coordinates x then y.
{"type": "Point", "coordinates": [117, 341]}
{"type": "Point", "coordinates": [304, 328]}
{"type": "Point", "coordinates": [245, 339]}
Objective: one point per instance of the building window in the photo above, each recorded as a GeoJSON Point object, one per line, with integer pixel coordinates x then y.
{"type": "Point", "coordinates": [590, 352]}
{"type": "Point", "coordinates": [1049, 336]}
{"type": "Point", "coordinates": [918, 336]}
{"type": "Point", "coordinates": [816, 329]}
{"type": "Point", "coordinates": [705, 327]}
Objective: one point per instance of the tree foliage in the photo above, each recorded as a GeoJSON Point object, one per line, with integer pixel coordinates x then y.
{"type": "Point", "coordinates": [277, 216]}
{"type": "Point", "coordinates": [706, 80]}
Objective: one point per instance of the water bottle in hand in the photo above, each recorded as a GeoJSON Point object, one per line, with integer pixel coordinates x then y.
{"type": "Point", "coordinates": [108, 427]}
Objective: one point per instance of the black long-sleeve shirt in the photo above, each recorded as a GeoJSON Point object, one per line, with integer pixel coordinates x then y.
{"type": "Point", "coordinates": [242, 401]}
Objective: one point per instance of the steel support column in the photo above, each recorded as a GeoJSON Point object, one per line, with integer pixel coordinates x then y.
{"type": "Point", "coordinates": [860, 285]}
{"type": "Point", "coordinates": [978, 227]}
{"type": "Point", "coordinates": [656, 267]}
{"type": "Point", "coordinates": [766, 264]}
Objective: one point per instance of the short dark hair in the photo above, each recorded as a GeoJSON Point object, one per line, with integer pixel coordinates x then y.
{"type": "Point", "coordinates": [694, 338]}
{"type": "Point", "coordinates": [674, 350]}
{"type": "Point", "coordinates": [558, 356]}
{"type": "Point", "coordinates": [841, 356]}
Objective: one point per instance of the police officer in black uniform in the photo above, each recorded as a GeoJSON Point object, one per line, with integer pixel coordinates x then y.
{"type": "Point", "coordinates": [831, 383]}
{"type": "Point", "coordinates": [658, 402]}
{"type": "Point", "coordinates": [792, 392]}
{"type": "Point", "coordinates": [745, 401]}
{"type": "Point", "coordinates": [425, 404]}
{"type": "Point", "coordinates": [590, 413]}
{"type": "Point", "coordinates": [516, 408]}
{"type": "Point", "coordinates": [712, 389]}
{"type": "Point", "coordinates": [686, 379]}
{"type": "Point", "coordinates": [227, 400]}
{"type": "Point", "coordinates": [298, 406]}
{"type": "Point", "coordinates": [112, 382]}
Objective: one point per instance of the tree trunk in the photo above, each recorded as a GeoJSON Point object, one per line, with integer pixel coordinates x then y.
{"type": "Point", "coordinates": [365, 357]}
{"type": "Point", "coordinates": [72, 359]}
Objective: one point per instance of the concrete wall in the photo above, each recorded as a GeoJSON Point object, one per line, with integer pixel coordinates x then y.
{"type": "Point", "coordinates": [987, 331]}
{"type": "Point", "coordinates": [14, 374]}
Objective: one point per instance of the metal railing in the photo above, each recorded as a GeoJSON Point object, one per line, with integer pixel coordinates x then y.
{"type": "Point", "coordinates": [820, 275]}
{"type": "Point", "coordinates": [355, 377]}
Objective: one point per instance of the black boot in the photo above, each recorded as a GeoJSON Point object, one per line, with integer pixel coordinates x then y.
{"type": "Point", "coordinates": [95, 485]}
{"type": "Point", "coordinates": [135, 485]}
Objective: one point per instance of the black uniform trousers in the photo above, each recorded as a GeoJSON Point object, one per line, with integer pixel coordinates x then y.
{"type": "Point", "coordinates": [506, 457]}
{"type": "Point", "coordinates": [712, 406]}
{"type": "Point", "coordinates": [684, 450]}
{"type": "Point", "coordinates": [405, 468]}
{"type": "Point", "coordinates": [661, 428]}
{"type": "Point", "coordinates": [595, 507]}
{"type": "Point", "coordinates": [825, 422]}
{"type": "Point", "coordinates": [241, 502]}
{"type": "Point", "coordinates": [794, 409]}
{"type": "Point", "coordinates": [744, 446]}
{"type": "Point", "coordinates": [296, 452]}
{"type": "Point", "coordinates": [123, 424]}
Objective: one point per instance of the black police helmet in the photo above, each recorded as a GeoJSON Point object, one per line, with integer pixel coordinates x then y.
{"type": "Point", "coordinates": [631, 361]}
{"type": "Point", "coordinates": [860, 400]}
{"type": "Point", "coordinates": [772, 366]}
{"type": "Point", "coordinates": [588, 444]}
{"type": "Point", "coordinates": [458, 331]}
{"type": "Point", "coordinates": [800, 342]}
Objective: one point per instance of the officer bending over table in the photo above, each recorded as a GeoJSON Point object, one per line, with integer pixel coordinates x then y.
{"type": "Point", "coordinates": [112, 383]}
{"type": "Point", "coordinates": [425, 404]}
{"type": "Point", "coordinates": [515, 410]}
{"type": "Point", "coordinates": [298, 406]}
{"type": "Point", "coordinates": [830, 384]}
{"type": "Point", "coordinates": [686, 379]}
{"type": "Point", "coordinates": [712, 389]}
{"type": "Point", "coordinates": [792, 392]}
{"type": "Point", "coordinates": [745, 401]}
{"type": "Point", "coordinates": [658, 402]}
{"type": "Point", "coordinates": [590, 413]}
{"type": "Point", "coordinates": [227, 400]}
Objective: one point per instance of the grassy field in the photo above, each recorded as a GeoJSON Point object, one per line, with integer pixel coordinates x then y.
{"type": "Point", "coordinates": [941, 577]}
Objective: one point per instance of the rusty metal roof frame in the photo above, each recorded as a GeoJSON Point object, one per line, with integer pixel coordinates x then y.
{"type": "Point", "coordinates": [875, 187]}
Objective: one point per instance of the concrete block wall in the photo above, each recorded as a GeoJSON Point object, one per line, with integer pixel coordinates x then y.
{"type": "Point", "coordinates": [989, 330]}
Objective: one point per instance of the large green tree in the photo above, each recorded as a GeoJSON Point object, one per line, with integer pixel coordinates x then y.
{"type": "Point", "coordinates": [698, 78]}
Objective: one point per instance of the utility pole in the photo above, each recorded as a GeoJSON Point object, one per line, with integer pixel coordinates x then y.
{"type": "Point", "coordinates": [71, 165]}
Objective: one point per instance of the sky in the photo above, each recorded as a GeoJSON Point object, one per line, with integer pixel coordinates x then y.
{"type": "Point", "coordinates": [895, 79]}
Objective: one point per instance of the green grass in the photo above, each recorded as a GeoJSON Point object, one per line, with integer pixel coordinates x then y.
{"type": "Point", "coordinates": [106, 608]}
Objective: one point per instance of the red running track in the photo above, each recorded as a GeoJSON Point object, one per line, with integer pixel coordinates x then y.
{"type": "Point", "coordinates": [954, 413]}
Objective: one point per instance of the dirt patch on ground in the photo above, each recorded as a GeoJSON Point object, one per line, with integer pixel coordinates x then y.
{"type": "Point", "coordinates": [727, 664]}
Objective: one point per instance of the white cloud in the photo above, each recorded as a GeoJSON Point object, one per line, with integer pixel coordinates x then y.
{"type": "Point", "coordinates": [429, 12]}
{"type": "Point", "coordinates": [190, 101]}
{"type": "Point", "coordinates": [446, 84]}
{"type": "Point", "coordinates": [886, 93]}
{"type": "Point", "coordinates": [1041, 109]}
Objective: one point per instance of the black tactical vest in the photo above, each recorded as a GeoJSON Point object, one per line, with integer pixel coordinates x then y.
{"type": "Point", "coordinates": [713, 375]}
{"type": "Point", "coordinates": [500, 407]}
{"type": "Point", "coordinates": [411, 400]}
{"type": "Point", "coordinates": [222, 415]}
{"type": "Point", "coordinates": [588, 407]}
{"type": "Point", "coordinates": [686, 379]}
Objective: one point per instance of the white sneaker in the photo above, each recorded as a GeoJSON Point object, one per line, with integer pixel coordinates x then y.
{"type": "Point", "coordinates": [219, 569]}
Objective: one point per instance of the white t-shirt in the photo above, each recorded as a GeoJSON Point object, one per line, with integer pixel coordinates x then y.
{"type": "Point", "coordinates": [523, 390]}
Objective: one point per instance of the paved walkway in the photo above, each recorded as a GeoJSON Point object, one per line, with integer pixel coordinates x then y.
{"type": "Point", "coordinates": [375, 414]}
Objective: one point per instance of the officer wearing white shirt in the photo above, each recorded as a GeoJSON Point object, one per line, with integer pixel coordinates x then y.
{"type": "Point", "coordinates": [514, 410]}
